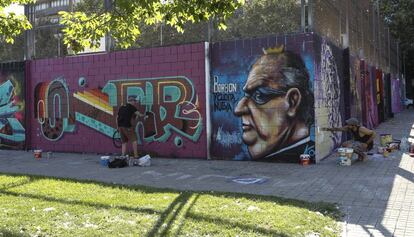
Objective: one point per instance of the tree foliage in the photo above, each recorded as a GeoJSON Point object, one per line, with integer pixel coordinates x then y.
{"type": "Point", "coordinates": [124, 18]}
{"type": "Point", "coordinates": [399, 15]}
{"type": "Point", "coordinates": [12, 25]}
{"type": "Point", "coordinates": [263, 17]}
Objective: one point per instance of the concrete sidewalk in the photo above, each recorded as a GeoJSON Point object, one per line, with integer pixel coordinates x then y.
{"type": "Point", "coordinates": [377, 196]}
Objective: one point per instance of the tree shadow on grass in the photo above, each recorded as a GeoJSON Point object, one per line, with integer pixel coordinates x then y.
{"type": "Point", "coordinates": [179, 209]}
{"type": "Point", "coordinates": [169, 215]}
{"type": "Point", "coordinates": [8, 233]}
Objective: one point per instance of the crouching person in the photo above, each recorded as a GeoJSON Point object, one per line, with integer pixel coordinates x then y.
{"type": "Point", "coordinates": [362, 137]}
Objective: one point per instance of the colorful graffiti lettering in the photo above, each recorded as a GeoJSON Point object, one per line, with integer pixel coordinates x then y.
{"type": "Point", "coordinates": [12, 132]}
{"type": "Point", "coordinates": [224, 95]}
{"type": "Point", "coordinates": [170, 103]}
{"type": "Point", "coordinates": [52, 109]}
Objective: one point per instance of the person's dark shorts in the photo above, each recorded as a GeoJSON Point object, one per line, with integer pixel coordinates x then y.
{"type": "Point", "coordinates": [127, 135]}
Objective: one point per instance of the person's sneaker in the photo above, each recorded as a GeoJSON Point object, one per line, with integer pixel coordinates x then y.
{"type": "Point", "coordinates": [132, 161]}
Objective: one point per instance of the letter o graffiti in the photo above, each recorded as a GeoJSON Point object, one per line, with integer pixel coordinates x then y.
{"type": "Point", "coordinates": [52, 108]}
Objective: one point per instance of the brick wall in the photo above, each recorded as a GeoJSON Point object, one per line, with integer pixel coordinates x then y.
{"type": "Point", "coordinates": [168, 82]}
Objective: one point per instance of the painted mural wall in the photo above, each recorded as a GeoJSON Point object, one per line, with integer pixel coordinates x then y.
{"type": "Point", "coordinates": [261, 101]}
{"type": "Point", "coordinates": [396, 94]}
{"type": "Point", "coordinates": [380, 95]}
{"type": "Point", "coordinates": [369, 103]}
{"type": "Point", "coordinates": [76, 100]}
{"type": "Point", "coordinates": [373, 88]}
{"type": "Point", "coordinates": [12, 106]}
{"type": "Point", "coordinates": [329, 96]}
{"type": "Point", "coordinates": [356, 88]}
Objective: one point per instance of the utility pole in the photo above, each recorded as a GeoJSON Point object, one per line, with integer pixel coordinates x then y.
{"type": "Point", "coordinates": [306, 15]}
{"type": "Point", "coordinates": [29, 49]}
{"type": "Point", "coordinates": [161, 29]}
{"type": "Point", "coordinates": [389, 49]}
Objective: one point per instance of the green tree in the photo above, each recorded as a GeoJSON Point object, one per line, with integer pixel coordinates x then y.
{"type": "Point", "coordinates": [263, 17]}
{"type": "Point", "coordinates": [399, 15]}
{"type": "Point", "coordinates": [12, 52]}
{"type": "Point", "coordinates": [12, 25]}
{"type": "Point", "coordinates": [125, 18]}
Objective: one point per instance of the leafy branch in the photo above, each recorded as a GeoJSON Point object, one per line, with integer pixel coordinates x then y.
{"type": "Point", "coordinates": [123, 20]}
{"type": "Point", "coordinates": [12, 25]}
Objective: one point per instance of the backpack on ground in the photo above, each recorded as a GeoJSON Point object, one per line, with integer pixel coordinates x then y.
{"type": "Point", "coordinates": [118, 163]}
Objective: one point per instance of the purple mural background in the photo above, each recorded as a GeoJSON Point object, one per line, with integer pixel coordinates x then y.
{"type": "Point", "coordinates": [396, 94]}
{"type": "Point", "coordinates": [169, 83]}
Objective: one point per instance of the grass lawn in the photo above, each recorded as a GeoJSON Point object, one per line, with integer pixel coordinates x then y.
{"type": "Point", "coordinates": [44, 206]}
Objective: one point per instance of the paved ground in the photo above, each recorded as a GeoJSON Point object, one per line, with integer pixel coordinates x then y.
{"type": "Point", "coordinates": [377, 196]}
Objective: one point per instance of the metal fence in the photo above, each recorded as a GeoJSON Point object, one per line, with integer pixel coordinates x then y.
{"type": "Point", "coordinates": [354, 23]}
{"type": "Point", "coordinates": [359, 25]}
{"type": "Point", "coordinates": [255, 19]}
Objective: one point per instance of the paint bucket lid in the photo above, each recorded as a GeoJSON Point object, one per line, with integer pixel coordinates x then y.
{"type": "Point", "coordinates": [349, 150]}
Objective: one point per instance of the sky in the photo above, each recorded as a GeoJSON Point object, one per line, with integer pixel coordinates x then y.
{"type": "Point", "coordinates": [15, 8]}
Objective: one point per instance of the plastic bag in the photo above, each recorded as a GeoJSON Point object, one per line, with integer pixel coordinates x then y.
{"type": "Point", "coordinates": [144, 161]}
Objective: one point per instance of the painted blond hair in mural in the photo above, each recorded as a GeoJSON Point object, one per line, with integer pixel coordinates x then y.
{"type": "Point", "coordinates": [329, 94]}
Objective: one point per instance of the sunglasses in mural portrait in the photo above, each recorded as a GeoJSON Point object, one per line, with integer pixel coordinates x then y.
{"type": "Point", "coordinates": [276, 110]}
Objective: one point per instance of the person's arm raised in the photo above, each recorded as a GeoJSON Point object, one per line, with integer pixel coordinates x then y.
{"type": "Point", "coordinates": [341, 129]}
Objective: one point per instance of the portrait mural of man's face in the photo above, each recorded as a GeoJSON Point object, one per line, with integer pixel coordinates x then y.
{"type": "Point", "coordinates": [274, 109]}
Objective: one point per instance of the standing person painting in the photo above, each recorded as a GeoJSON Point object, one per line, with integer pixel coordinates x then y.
{"type": "Point", "coordinates": [126, 114]}
{"type": "Point", "coordinates": [277, 109]}
{"type": "Point", "coordinates": [362, 137]}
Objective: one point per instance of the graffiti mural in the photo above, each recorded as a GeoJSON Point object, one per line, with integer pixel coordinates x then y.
{"type": "Point", "coordinates": [380, 96]}
{"type": "Point", "coordinates": [329, 91]}
{"type": "Point", "coordinates": [262, 102]}
{"type": "Point", "coordinates": [356, 90]}
{"type": "Point", "coordinates": [52, 109]}
{"type": "Point", "coordinates": [366, 99]}
{"type": "Point", "coordinates": [12, 106]}
{"type": "Point", "coordinates": [396, 94]}
{"type": "Point", "coordinates": [76, 101]}
{"type": "Point", "coordinates": [387, 95]}
{"type": "Point", "coordinates": [374, 104]}
{"type": "Point", "coordinates": [171, 106]}
{"type": "Point", "coordinates": [329, 104]}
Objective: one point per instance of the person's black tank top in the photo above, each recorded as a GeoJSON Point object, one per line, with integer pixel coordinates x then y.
{"type": "Point", "coordinates": [362, 139]}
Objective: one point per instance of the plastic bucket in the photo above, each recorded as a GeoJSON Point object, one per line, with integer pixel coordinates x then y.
{"type": "Point", "coordinates": [349, 152]}
{"type": "Point", "coordinates": [105, 161]}
{"type": "Point", "coordinates": [37, 154]}
{"type": "Point", "coordinates": [342, 152]}
{"type": "Point", "coordinates": [385, 139]}
{"type": "Point", "coordinates": [304, 159]}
